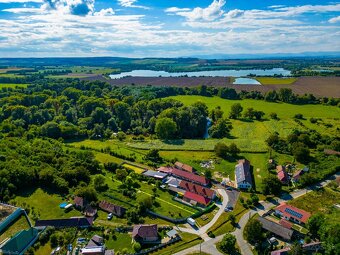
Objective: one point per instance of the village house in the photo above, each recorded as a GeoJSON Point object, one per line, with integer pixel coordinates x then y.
{"type": "Point", "coordinates": [197, 189]}
{"type": "Point", "coordinates": [145, 233]}
{"type": "Point", "coordinates": [184, 167]}
{"type": "Point", "coordinates": [276, 229]}
{"type": "Point", "coordinates": [154, 174]}
{"type": "Point", "coordinates": [292, 213]}
{"type": "Point", "coordinates": [191, 177]}
{"type": "Point", "coordinates": [112, 208]}
{"type": "Point", "coordinates": [243, 176]}
{"type": "Point", "coordinates": [282, 174]}
{"type": "Point", "coordinates": [196, 199]}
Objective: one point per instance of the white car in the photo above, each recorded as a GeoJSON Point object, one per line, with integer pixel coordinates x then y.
{"type": "Point", "coordinates": [109, 216]}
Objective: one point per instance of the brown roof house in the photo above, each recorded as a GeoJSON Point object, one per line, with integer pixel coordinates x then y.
{"type": "Point", "coordinates": [184, 167]}
{"type": "Point", "coordinates": [111, 208]}
{"type": "Point", "coordinates": [145, 233]}
{"type": "Point", "coordinates": [282, 174]}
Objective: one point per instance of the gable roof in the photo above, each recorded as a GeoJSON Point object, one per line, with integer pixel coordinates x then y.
{"type": "Point", "coordinates": [79, 201]}
{"type": "Point", "coordinates": [154, 174]}
{"type": "Point", "coordinates": [184, 167]}
{"type": "Point", "coordinates": [20, 241]}
{"type": "Point", "coordinates": [111, 208]}
{"type": "Point", "coordinates": [242, 172]}
{"type": "Point", "coordinates": [293, 212]}
{"type": "Point", "coordinates": [197, 189]}
{"type": "Point", "coordinates": [79, 222]}
{"type": "Point", "coordinates": [96, 240]}
{"type": "Point", "coordinates": [286, 224]}
{"type": "Point", "coordinates": [282, 176]}
{"type": "Point", "coordinates": [165, 169]}
{"type": "Point", "coordinates": [190, 176]}
{"type": "Point", "coordinates": [275, 228]}
{"type": "Point", "coordinates": [144, 231]}
{"type": "Point", "coordinates": [90, 211]}
{"type": "Point", "coordinates": [198, 198]}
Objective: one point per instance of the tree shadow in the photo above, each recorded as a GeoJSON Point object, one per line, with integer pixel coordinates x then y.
{"type": "Point", "coordinates": [174, 142]}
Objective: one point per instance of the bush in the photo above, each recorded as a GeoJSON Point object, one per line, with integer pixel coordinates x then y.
{"type": "Point", "coordinates": [298, 116]}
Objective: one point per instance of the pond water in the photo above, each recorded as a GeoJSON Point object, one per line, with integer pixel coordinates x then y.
{"type": "Point", "coordinates": [218, 73]}
{"type": "Point", "coordinates": [246, 81]}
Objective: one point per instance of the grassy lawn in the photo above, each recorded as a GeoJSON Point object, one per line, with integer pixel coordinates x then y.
{"type": "Point", "coordinates": [122, 240]}
{"type": "Point", "coordinates": [45, 204]}
{"type": "Point", "coordinates": [106, 158]}
{"type": "Point", "coordinates": [12, 85]}
{"type": "Point", "coordinates": [275, 81]}
{"type": "Point", "coordinates": [206, 218]}
{"type": "Point", "coordinates": [43, 250]}
{"type": "Point", "coordinates": [188, 240]}
{"type": "Point", "coordinates": [136, 169]}
{"type": "Point", "coordinates": [283, 110]}
{"type": "Point", "coordinates": [20, 224]}
{"type": "Point", "coordinates": [317, 201]}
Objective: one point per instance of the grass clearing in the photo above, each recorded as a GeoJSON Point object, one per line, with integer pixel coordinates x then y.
{"type": "Point", "coordinates": [136, 169]}
{"type": "Point", "coordinates": [275, 81]}
{"type": "Point", "coordinates": [321, 200]}
{"type": "Point", "coordinates": [46, 205]}
{"type": "Point", "coordinates": [12, 85]}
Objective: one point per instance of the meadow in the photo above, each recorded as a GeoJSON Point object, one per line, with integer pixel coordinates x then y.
{"type": "Point", "coordinates": [12, 85]}
{"type": "Point", "coordinates": [275, 81]}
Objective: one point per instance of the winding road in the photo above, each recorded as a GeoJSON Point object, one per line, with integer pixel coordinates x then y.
{"type": "Point", "coordinates": [209, 244]}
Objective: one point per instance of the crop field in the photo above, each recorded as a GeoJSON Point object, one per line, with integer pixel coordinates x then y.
{"type": "Point", "coordinates": [12, 85]}
{"type": "Point", "coordinates": [136, 169]}
{"type": "Point", "coordinates": [275, 81]}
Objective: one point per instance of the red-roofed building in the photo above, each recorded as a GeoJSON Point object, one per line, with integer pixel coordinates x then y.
{"type": "Point", "coordinates": [292, 213]}
{"type": "Point", "coordinates": [196, 199]}
{"type": "Point", "coordinates": [285, 224]}
{"type": "Point", "coordinates": [197, 189]}
{"type": "Point", "coordinates": [165, 169]}
{"type": "Point", "coordinates": [184, 167]}
{"type": "Point", "coordinates": [282, 174]}
{"type": "Point", "coordinates": [191, 177]}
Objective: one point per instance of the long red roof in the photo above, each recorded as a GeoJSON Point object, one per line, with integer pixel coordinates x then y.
{"type": "Point", "coordinates": [293, 212]}
{"type": "Point", "coordinates": [198, 189]}
{"type": "Point", "coordinates": [190, 176]}
{"type": "Point", "coordinates": [198, 198]}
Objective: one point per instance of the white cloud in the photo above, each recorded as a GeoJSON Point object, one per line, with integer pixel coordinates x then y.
{"type": "Point", "coordinates": [76, 7]}
{"type": "Point", "coordinates": [22, 10]}
{"type": "Point", "coordinates": [176, 9]}
{"type": "Point", "coordinates": [21, 1]}
{"type": "Point", "coordinates": [212, 12]}
{"type": "Point", "coordinates": [334, 20]}
{"type": "Point", "coordinates": [131, 4]}
{"type": "Point", "coordinates": [105, 12]}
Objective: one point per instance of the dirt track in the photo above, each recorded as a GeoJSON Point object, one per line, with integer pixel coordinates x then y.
{"type": "Point", "coordinates": [318, 86]}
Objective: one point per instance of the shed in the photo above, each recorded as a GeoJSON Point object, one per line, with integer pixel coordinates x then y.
{"type": "Point", "coordinates": [172, 233]}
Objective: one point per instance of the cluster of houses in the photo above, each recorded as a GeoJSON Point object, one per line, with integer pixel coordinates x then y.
{"type": "Point", "coordinates": [183, 181]}
{"type": "Point", "coordinates": [283, 228]}
{"type": "Point", "coordinates": [285, 177]}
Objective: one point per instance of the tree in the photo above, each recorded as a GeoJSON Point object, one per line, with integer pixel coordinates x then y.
{"type": "Point", "coordinates": [296, 249]}
{"type": "Point", "coordinates": [258, 115]}
{"type": "Point", "coordinates": [273, 115]}
{"type": "Point", "coordinates": [314, 223]}
{"type": "Point", "coordinates": [136, 246]}
{"type": "Point", "coordinates": [330, 236]}
{"type": "Point", "coordinates": [285, 95]}
{"type": "Point", "coordinates": [220, 129]}
{"type": "Point", "coordinates": [253, 231]}
{"type": "Point", "coordinates": [271, 185]}
{"type": "Point", "coordinates": [207, 174]}
{"type": "Point", "coordinates": [233, 149]}
{"type": "Point", "coordinates": [235, 111]}
{"type": "Point", "coordinates": [99, 183]}
{"type": "Point", "coordinates": [221, 149]}
{"type": "Point", "coordinates": [227, 244]}
{"type": "Point", "coordinates": [165, 128]}
{"type": "Point", "coordinates": [301, 153]}
{"type": "Point", "coordinates": [249, 113]}
{"type": "Point", "coordinates": [51, 129]}
{"type": "Point", "coordinates": [153, 155]}
{"type": "Point", "coordinates": [88, 193]}
{"type": "Point", "coordinates": [121, 174]}
{"type": "Point", "coordinates": [232, 219]}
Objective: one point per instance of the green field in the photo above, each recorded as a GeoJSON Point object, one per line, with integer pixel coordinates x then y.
{"type": "Point", "coordinates": [283, 110]}
{"type": "Point", "coordinates": [46, 205]}
{"type": "Point", "coordinates": [275, 81]}
{"type": "Point", "coordinates": [12, 85]}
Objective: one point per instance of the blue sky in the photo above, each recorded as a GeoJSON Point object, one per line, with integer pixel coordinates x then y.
{"type": "Point", "coordinates": [167, 28]}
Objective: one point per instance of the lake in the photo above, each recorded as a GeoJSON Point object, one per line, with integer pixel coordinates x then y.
{"type": "Point", "coordinates": [218, 73]}
{"type": "Point", "coordinates": [246, 81]}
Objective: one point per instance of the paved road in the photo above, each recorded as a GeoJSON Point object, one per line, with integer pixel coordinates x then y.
{"type": "Point", "coordinates": [209, 246]}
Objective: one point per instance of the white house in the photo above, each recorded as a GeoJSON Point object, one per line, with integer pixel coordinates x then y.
{"type": "Point", "coordinates": [243, 176]}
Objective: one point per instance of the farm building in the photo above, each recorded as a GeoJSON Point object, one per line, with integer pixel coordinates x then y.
{"type": "Point", "coordinates": [197, 189]}
{"type": "Point", "coordinates": [276, 229]}
{"type": "Point", "coordinates": [111, 208]}
{"type": "Point", "coordinates": [173, 182]}
{"type": "Point", "coordinates": [89, 211]}
{"type": "Point", "coordinates": [243, 176]}
{"type": "Point", "coordinates": [79, 203]}
{"type": "Point", "coordinates": [156, 175]}
{"type": "Point", "coordinates": [292, 213]}
{"type": "Point", "coordinates": [78, 222]}
{"type": "Point", "coordinates": [282, 174]}
{"type": "Point", "coordinates": [165, 169]}
{"type": "Point", "coordinates": [145, 233]}
{"type": "Point", "coordinates": [297, 175]}
{"type": "Point", "coordinates": [196, 199]}
{"type": "Point", "coordinates": [184, 167]}
{"type": "Point", "coordinates": [191, 177]}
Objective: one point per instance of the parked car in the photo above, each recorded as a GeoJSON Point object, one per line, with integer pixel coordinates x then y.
{"type": "Point", "coordinates": [109, 216]}
{"type": "Point", "coordinates": [228, 208]}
